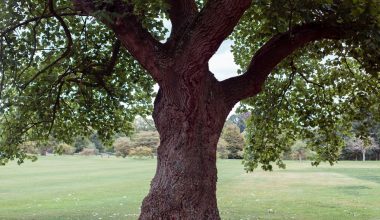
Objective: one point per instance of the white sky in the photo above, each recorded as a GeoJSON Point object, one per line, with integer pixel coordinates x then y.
{"type": "Point", "coordinates": [222, 63]}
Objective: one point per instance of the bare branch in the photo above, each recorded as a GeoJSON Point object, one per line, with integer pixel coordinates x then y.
{"type": "Point", "coordinates": [273, 52]}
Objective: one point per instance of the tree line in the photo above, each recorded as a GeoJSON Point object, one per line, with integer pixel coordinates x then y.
{"type": "Point", "coordinates": [144, 141]}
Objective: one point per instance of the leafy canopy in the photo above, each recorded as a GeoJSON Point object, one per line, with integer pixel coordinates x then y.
{"type": "Point", "coordinates": [64, 74]}
{"type": "Point", "coordinates": [317, 92]}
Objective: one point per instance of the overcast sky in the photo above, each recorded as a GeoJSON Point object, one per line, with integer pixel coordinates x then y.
{"type": "Point", "coordinates": [222, 63]}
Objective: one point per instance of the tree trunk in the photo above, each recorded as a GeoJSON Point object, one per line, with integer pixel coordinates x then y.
{"type": "Point", "coordinates": [363, 152]}
{"type": "Point", "coordinates": [189, 121]}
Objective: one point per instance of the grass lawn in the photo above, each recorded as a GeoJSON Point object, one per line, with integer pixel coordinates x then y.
{"type": "Point", "coordinates": [73, 187]}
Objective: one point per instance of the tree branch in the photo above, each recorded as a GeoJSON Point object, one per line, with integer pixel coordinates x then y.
{"type": "Point", "coordinates": [274, 51]}
{"type": "Point", "coordinates": [129, 30]}
{"type": "Point", "coordinates": [68, 45]}
{"type": "Point", "coordinates": [180, 11]}
{"type": "Point", "coordinates": [294, 70]}
{"type": "Point", "coordinates": [36, 19]}
{"type": "Point", "coordinates": [212, 26]}
{"type": "Point", "coordinates": [56, 106]}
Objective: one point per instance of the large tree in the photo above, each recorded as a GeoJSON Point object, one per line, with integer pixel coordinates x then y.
{"type": "Point", "coordinates": [71, 67]}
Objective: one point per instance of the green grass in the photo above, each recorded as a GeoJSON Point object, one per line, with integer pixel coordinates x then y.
{"type": "Point", "coordinates": [113, 188]}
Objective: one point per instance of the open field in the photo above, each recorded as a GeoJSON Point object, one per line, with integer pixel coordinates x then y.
{"type": "Point", "coordinates": [71, 187]}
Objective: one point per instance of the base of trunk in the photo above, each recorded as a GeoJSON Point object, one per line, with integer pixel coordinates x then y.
{"type": "Point", "coordinates": [183, 188]}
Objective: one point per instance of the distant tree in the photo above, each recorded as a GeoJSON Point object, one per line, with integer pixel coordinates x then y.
{"type": "Point", "coordinates": [234, 140]}
{"type": "Point", "coordinates": [300, 151]}
{"type": "Point", "coordinates": [47, 146]}
{"type": "Point", "coordinates": [362, 145]}
{"type": "Point", "coordinates": [89, 151]}
{"type": "Point", "coordinates": [141, 151]}
{"type": "Point", "coordinates": [94, 138]}
{"type": "Point", "coordinates": [144, 124]}
{"type": "Point", "coordinates": [238, 120]}
{"type": "Point", "coordinates": [29, 147]}
{"type": "Point", "coordinates": [149, 139]}
{"type": "Point", "coordinates": [375, 134]}
{"type": "Point", "coordinates": [222, 149]}
{"type": "Point", "coordinates": [82, 142]}
{"type": "Point", "coordinates": [122, 146]}
{"type": "Point", "coordinates": [64, 148]}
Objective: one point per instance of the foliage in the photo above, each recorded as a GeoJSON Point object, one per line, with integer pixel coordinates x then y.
{"type": "Point", "coordinates": [317, 92]}
{"type": "Point", "coordinates": [299, 151]}
{"type": "Point", "coordinates": [65, 77]}
{"type": "Point", "coordinates": [94, 138]}
{"type": "Point", "coordinates": [144, 124]}
{"type": "Point", "coordinates": [141, 152]}
{"type": "Point", "coordinates": [234, 141]}
{"type": "Point", "coordinates": [29, 147]}
{"type": "Point", "coordinates": [65, 149]}
{"type": "Point", "coordinates": [89, 151]}
{"type": "Point", "coordinates": [361, 145]}
{"type": "Point", "coordinates": [82, 142]}
{"type": "Point", "coordinates": [222, 149]}
{"type": "Point", "coordinates": [239, 120]}
{"type": "Point", "coordinates": [122, 146]}
{"type": "Point", "coordinates": [149, 139]}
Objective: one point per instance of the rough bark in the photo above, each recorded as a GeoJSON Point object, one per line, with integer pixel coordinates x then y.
{"type": "Point", "coordinates": [189, 118]}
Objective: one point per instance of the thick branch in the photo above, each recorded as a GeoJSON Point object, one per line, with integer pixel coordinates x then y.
{"type": "Point", "coordinates": [212, 26]}
{"type": "Point", "coordinates": [180, 11]}
{"type": "Point", "coordinates": [129, 30]}
{"type": "Point", "coordinates": [273, 52]}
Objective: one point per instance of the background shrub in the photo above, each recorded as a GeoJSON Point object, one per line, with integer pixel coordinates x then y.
{"type": "Point", "coordinates": [141, 152]}
{"type": "Point", "coordinates": [89, 151]}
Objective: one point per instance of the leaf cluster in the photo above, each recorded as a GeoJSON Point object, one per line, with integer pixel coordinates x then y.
{"type": "Point", "coordinates": [316, 93]}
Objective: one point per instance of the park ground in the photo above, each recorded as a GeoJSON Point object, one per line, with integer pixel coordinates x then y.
{"type": "Point", "coordinates": [77, 187]}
